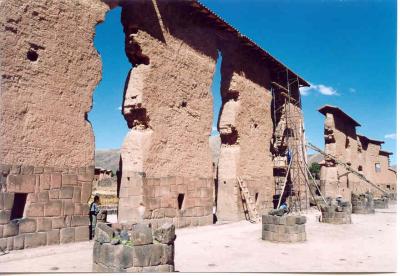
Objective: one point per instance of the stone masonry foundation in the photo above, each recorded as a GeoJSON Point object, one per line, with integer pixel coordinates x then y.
{"type": "Point", "coordinates": [138, 249]}
{"type": "Point", "coordinates": [381, 203]}
{"type": "Point", "coordinates": [289, 228]}
{"type": "Point", "coordinates": [362, 204]}
{"type": "Point", "coordinates": [43, 205]}
{"type": "Point", "coordinates": [336, 212]}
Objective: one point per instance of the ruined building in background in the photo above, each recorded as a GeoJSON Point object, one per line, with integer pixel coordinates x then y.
{"type": "Point", "coordinates": [47, 143]}
{"type": "Point", "coordinates": [361, 153]}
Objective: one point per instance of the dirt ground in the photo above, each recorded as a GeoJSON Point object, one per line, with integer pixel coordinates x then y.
{"type": "Point", "coordinates": [367, 245]}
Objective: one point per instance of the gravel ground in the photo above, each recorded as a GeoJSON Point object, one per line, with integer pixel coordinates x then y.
{"type": "Point", "coordinates": [366, 245]}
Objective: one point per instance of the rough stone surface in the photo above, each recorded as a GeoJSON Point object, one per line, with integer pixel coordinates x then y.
{"type": "Point", "coordinates": [141, 234]}
{"type": "Point", "coordinates": [165, 233]}
{"type": "Point", "coordinates": [35, 239]}
{"type": "Point", "coordinates": [288, 228]}
{"type": "Point", "coordinates": [146, 257]}
{"type": "Point", "coordinates": [362, 204]}
{"type": "Point", "coordinates": [103, 233]}
{"type": "Point", "coordinates": [67, 235]}
{"type": "Point", "coordinates": [336, 212]}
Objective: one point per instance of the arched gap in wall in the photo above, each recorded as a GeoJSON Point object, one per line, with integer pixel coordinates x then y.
{"type": "Point", "coordinates": [109, 126]}
{"type": "Point", "coordinates": [215, 140]}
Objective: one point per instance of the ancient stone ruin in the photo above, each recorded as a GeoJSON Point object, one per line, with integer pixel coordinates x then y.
{"type": "Point", "coordinates": [287, 228]}
{"type": "Point", "coordinates": [381, 203]}
{"type": "Point", "coordinates": [137, 248]}
{"type": "Point", "coordinates": [362, 203]}
{"type": "Point", "coordinates": [47, 142]}
{"type": "Point", "coordinates": [336, 212]}
{"type": "Point", "coordinates": [359, 152]}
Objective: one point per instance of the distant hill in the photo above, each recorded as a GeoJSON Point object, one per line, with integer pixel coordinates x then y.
{"type": "Point", "coordinates": [314, 158]}
{"type": "Point", "coordinates": [107, 159]}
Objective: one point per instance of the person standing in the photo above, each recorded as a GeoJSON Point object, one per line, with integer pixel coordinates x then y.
{"type": "Point", "coordinates": [94, 210]}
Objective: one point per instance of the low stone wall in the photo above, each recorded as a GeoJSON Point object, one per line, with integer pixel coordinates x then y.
{"type": "Point", "coordinates": [137, 248]}
{"type": "Point", "coordinates": [362, 204]}
{"type": "Point", "coordinates": [336, 212]}
{"type": "Point", "coordinates": [181, 201]}
{"type": "Point", "coordinates": [381, 203]}
{"type": "Point", "coordinates": [43, 205]}
{"type": "Point", "coordinates": [287, 228]}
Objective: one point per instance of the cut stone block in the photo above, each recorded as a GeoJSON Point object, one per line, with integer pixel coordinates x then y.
{"type": "Point", "coordinates": [80, 221]}
{"type": "Point", "coordinates": [53, 237]}
{"type": "Point", "coordinates": [67, 235]}
{"type": "Point", "coordinates": [58, 222]}
{"type": "Point", "coordinates": [103, 233]}
{"type": "Point", "coordinates": [53, 208]}
{"type": "Point", "coordinates": [35, 239]}
{"type": "Point", "coordinates": [44, 224]}
{"type": "Point", "coordinates": [141, 234]}
{"type": "Point", "coordinates": [6, 201]}
{"type": "Point", "coordinates": [19, 242]}
{"type": "Point", "coordinates": [69, 179]}
{"type": "Point", "coordinates": [165, 233]}
{"type": "Point", "coordinates": [27, 225]}
{"type": "Point", "coordinates": [55, 182]}
{"type": "Point", "coordinates": [123, 256]}
{"type": "Point", "coordinates": [66, 192]}
{"type": "Point", "coordinates": [35, 210]}
{"type": "Point", "coordinates": [21, 183]}
{"type": "Point", "coordinates": [5, 216]}
{"type": "Point", "coordinates": [10, 229]}
{"type": "Point", "coordinates": [82, 233]}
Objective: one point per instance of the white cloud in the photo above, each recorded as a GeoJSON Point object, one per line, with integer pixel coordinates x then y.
{"type": "Point", "coordinates": [352, 90]}
{"type": "Point", "coordinates": [119, 108]}
{"type": "Point", "coordinates": [319, 88]}
{"type": "Point", "coordinates": [391, 136]}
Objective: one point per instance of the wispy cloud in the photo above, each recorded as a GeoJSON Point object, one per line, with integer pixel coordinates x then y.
{"type": "Point", "coordinates": [352, 90]}
{"type": "Point", "coordinates": [319, 88]}
{"type": "Point", "coordinates": [392, 136]}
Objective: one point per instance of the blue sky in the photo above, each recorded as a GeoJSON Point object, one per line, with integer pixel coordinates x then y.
{"type": "Point", "coordinates": [346, 49]}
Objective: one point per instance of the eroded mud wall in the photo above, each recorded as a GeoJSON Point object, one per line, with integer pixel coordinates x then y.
{"type": "Point", "coordinates": [246, 127]}
{"type": "Point", "coordinates": [49, 69]}
{"type": "Point", "coordinates": [166, 160]}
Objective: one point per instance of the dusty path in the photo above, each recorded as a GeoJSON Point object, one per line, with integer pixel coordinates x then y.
{"type": "Point", "coordinates": [369, 244]}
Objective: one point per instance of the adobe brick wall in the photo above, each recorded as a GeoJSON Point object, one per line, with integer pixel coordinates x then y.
{"type": "Point", "coordinates": [287, 228]}
{"type": "Point", "coordinates": [47, 81]}
{"type": "Point", "coordinates": [245, 128]}
{"type": "Point", "coordinates": [359, 152]}
{"type": "Point", "coordinates": [56, 209]}
{"type": "Point", "coordinates": [139, 249]}
{"type": "Point", "coordinates": [168, 108]}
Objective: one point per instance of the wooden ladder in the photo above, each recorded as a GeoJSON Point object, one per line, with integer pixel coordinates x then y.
{"type": "Point", "coordinates": [249, 206]}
